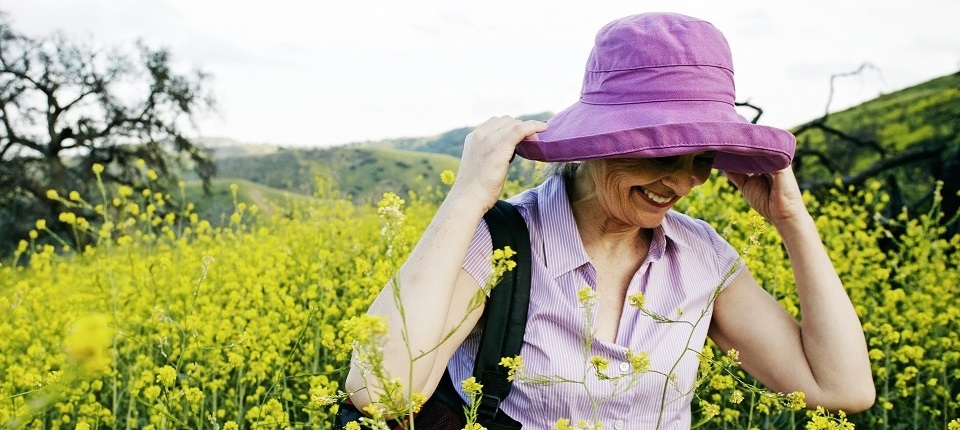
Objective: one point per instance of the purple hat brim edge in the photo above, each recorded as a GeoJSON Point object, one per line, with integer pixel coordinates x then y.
{"type": "Point", "coordinates": [741, 146]}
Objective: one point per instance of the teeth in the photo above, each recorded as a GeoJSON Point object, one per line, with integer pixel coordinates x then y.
{"type": "Point", "coordinates": [655, 197]}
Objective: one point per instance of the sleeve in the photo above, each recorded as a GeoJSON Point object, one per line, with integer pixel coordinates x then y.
{"type": "Point", "coordinates": [729, 262]}
{"type": "Point", "coordinates": [477, 262]}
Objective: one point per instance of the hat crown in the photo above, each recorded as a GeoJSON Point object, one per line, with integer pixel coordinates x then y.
{"type": "Point", "coordinates": [657, 57]}
{"type": "Point", "coordinates": [660, 85]}
{"type": "Point", "coordinates": [658, 40]}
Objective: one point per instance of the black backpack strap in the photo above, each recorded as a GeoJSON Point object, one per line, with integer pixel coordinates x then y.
{"type": "Point", "coordinates": [506, 311]}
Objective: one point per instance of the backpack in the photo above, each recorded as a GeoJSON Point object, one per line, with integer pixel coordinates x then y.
{"type": "Point", "coordinates": [504, 323]}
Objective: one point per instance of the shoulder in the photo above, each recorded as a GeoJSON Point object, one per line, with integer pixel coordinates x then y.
{"type": "Point", "coordinates": [686, 229]}
{"type": "Point", "coordinates": [698, 236]}
{"type": "Point", "coordinates": [530, 200]}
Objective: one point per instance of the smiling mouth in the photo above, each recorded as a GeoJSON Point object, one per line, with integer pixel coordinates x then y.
{"type": "Point", "coordinates": [654, 198]}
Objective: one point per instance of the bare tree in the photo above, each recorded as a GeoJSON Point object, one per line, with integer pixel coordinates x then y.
{"type": "Point", "coordinates": [901, 165]}
{"type": "Point", "coordinates": [65, 106]}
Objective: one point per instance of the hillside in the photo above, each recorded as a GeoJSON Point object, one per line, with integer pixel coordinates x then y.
{"type": "Point", "coordinates": [217, 206]}
{"type": "Point", "coordinates": [363, 173]}
{"type": "Point", "coordinates": [909, 138]}
{"type": "Point", "coordinates": [450, 142]}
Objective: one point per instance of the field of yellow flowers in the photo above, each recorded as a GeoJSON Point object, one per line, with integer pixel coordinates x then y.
{"type": "Point", "coordinates": [159, 320]}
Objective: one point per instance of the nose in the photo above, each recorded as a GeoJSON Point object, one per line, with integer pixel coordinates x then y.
{"type": "Point", "coordinates": [684, 178]}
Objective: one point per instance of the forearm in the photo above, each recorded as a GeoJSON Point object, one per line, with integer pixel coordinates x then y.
{"type": "Point", "coordinates": [426, 285]}
{"type": "Point", "coordinates": [831, 333]}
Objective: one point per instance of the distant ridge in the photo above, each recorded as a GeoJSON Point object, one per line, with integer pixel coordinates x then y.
{"type": "Point", "coordinates": [909, 138]}
{"type": "Point", "coordinates": [449, 142]}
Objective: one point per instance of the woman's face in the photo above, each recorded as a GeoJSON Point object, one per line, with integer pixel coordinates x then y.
{"type": "Point", "coordinates": [638, 192]}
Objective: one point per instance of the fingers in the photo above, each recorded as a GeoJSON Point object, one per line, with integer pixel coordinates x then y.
{"type": "Point", "coordinates": [736, 178]}
{"type": "Point", "coordinates": [507, 128]}
{"type": "Point", "coordinates": [497, 137]}
{"type": "Point", "coordinates": [487, 152]}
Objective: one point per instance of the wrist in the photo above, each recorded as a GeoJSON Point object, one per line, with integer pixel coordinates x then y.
{"type": "Point", "coordinates": [799, 225]}
{"type": "Point", "coordinates": [466, 204]}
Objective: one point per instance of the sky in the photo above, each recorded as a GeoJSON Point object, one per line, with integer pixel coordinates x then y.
{"type": "Point", "coordinates": [321, 72]}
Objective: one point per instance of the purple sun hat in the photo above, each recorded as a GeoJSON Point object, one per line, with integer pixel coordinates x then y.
{"type": "Point", "coordinates": [659, 85]}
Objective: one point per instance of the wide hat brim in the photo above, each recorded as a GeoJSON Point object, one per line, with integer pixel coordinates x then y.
{"type": "Point", "coordinates": [662, 129]}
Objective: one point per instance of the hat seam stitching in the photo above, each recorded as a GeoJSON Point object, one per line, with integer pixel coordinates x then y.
{"type": "Point", "coordinates": [655, 101]}
{"type": "Point", "coordinates": [656, 66]}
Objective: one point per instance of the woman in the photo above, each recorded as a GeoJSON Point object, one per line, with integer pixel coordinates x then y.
{"type": "Point", "coordinates": [656, 115]}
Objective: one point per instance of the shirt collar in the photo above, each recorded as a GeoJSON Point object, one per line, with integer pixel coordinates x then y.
{"type": "Point", "coordinates": [563, 247]}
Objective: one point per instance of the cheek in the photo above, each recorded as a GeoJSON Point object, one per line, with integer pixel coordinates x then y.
{"type": "Point", "coordinates": [617, 186]}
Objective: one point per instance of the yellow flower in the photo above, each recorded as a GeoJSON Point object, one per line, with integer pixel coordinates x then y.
{"type": "Point", "coordinates": [41, 224]}
{"type": "Point", "coordinates": [140, 163]}
{"type": "Point", "coordinates": [52, 194]}
{"type": "Point", "coordinates": [637, 299]}
{"type": "Point", "coordinates": [352, 425]}
{"type": "Point", "coordinates": [373, 411]}
{"type": "Point", "coordinates": [640, 362]}
{"type": "Point", "coordinates": [88, 343]}
{"type": "Point", "coordinates": [75, 196]}
{"type": "Point", "coordinates": [721, 382]}
{"type": "Point", "coordinates": [417, 399]}
{"type": "Point", "coordinates": [599, 362]}
{"type": "Point", "coordinates": [193, 395]}
{"type": "Point", "coordinates": [710, 410]}
{"type": "Point", "coordinates": [471, 386]}
{"type": "Point", "coordinates": [152, 174]}
{"type": "Point", "coordinates": [167, 375]}
{"type": "Point", "coordinates": [796, 400]}
{"type": "Point", "coordinates": [514, 366]}
{"type": "Point", "coordinates": [586, 295]}
{"type": "Point", "coordinates": [97, 168]}
{"type": "Point", "coordinates": [151, 393]}
{"type": "Point", "coordinates": [232, 425]}
{"type": "Point", "coordinates": [447, 177]}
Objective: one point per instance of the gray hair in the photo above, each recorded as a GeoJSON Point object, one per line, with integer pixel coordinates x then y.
{"type": "Point", "coordinates": [565, 168]}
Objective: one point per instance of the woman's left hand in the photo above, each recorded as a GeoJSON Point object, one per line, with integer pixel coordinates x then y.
{"type": "Point", "coordinates": [774, 195]}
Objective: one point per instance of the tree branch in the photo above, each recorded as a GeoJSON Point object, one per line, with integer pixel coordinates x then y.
{"type": "Point", "coordinates": [820, 124]}
{"type": "Point", "coordinates": [751, 106]}
{"type": "Point", "coordinates": [833, 78]}
{"type": "Point", "coordinates": [928, 152]}
{"type": "Point", "coordinates": [823, 158]}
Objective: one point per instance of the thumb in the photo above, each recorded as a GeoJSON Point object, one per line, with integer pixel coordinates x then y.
{"type": "Point", "coordinates": [737, 179]}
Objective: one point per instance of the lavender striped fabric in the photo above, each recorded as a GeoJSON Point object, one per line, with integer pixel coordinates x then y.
{"type": "Point", "coordinates": [686, 263]}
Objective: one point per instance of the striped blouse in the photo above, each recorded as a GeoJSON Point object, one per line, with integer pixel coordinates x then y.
{"type": "Point", "coordinates": [687, 262]}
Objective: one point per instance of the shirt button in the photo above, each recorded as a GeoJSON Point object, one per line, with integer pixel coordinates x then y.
{"type": "Point", "coordinates": [624, 367]}
{"type": "Point", "coordinates": [618, 425]}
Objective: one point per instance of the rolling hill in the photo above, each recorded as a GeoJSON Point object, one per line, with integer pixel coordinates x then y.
{"type": "Point", "coordinates": [909, 138]}
{"type": "Point", "coordinates": [361, 173]}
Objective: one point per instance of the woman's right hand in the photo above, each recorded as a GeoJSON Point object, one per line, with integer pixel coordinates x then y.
{"type": "Point", "coordinates": [487, 152]}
